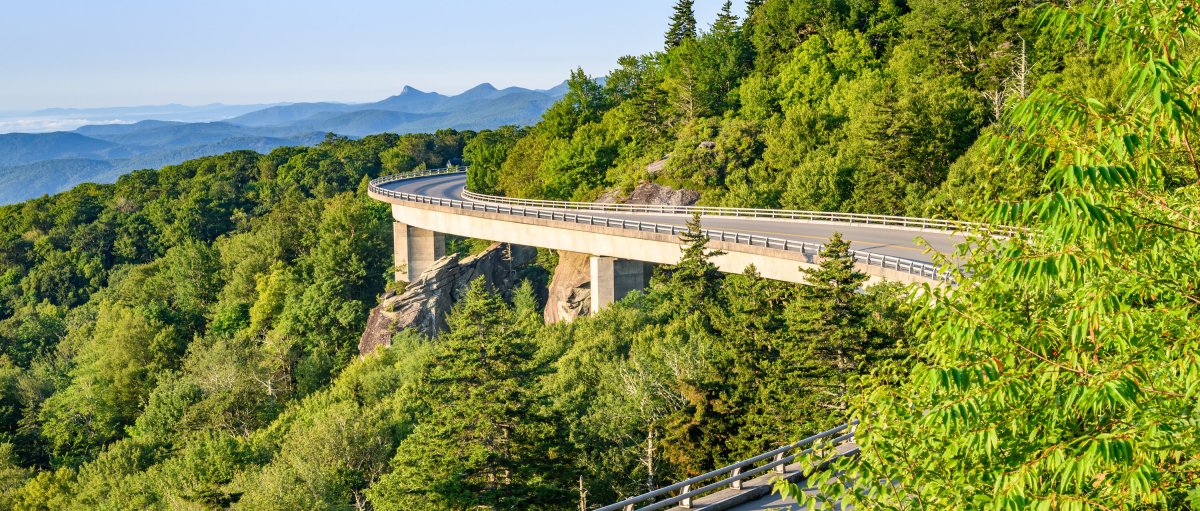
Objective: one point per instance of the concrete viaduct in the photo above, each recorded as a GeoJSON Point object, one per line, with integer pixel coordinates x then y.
{"type": "Point", "coordinates": [622, 238]}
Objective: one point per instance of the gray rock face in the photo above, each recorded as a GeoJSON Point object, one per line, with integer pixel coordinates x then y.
{"type": "Point", "coordinates": [652, 193]}
{"type": "Point", "coordinates": [570, 289]}
{"type": "Point", "coordinates": [426, 300]}
{"type": "Point", "coordinates": [570, 293]}
{"type": "Point", "coordinates": [656, 167]}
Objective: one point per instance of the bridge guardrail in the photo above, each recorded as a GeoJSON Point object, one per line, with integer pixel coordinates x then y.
{"type": "Point", "coordinates": [785, 214]}
{"type": "Point", "coordinates": [687, 490]}
{"type": "Point", "coordinates": [871, 259]}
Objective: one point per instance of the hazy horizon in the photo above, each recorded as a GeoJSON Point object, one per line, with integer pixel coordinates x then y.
{"type": "Point", "coordinates": [53, 119]}
{"type": "Point", "coordinates": [81, 55]}
{"type": "Point", "coordinates": [274, 103]}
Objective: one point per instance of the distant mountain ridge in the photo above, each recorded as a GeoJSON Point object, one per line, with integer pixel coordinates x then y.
{"type": "Point", "coordinates": [33, 164]}
{"type": "Point", "coordinates": [480, 107]}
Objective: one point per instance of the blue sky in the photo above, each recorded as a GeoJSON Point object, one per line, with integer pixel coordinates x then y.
{"type": "Point", "coordinates": [77, 53]}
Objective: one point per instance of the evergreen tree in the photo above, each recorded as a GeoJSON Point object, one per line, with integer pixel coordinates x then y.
{"type": "Point", "coordinates": [696, 278]}
{"type": "Point", "coordinates": [484, 443]}
{"type": "Point", "coordinates": [730, 57]}
{"type": "Point", "coordinates": [527, 313]}
{"type": "Point", "coordinates": [750, 331]}
{"type": "Point", "coordinates": [751, 5]}
{"type": "Point", "coordinates": [829, 320]}
{"type": "Point", "coordinates": [683, 24]}
{"type": "Point", "coordinates": [726, 21]}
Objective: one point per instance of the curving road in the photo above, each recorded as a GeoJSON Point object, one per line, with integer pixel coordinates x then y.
{"type": "Point", "coordinates": [903, 249]}
{"type": "Point", "coordinates": [876, 239]}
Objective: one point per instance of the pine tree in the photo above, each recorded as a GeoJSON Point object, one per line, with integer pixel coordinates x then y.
{"type": "Point", "coordinates": [696, 278]}
{"type": "Point", "coordinates": [750, 329]}
{"type": "Point", "coordinates": [726, 21]}
{"type": "Point", "coordinates": [527, 314]}
{"type": "Point", "coordinates": [683, 24]}
{"type": "Point", "coordinates": [830, 317]}
{"type": "Point", "coordinates": [751, 5]}
{"type": "Point", "coordinates": [729, 57]}
{"type": "Point", "coordinates": [485, 442]}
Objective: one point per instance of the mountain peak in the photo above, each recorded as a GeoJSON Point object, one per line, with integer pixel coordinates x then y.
{"type": "Point", "coordinates": [482, 91]}
{"type": "Point", "coordinates": [411, 90]}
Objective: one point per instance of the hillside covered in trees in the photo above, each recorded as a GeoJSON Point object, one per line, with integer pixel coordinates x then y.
{"type": "Point", "coordinates": [184, 338]}
{"type": "Point", "coordinates": [872, 107]}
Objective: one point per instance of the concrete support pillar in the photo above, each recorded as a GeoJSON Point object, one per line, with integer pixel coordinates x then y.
{"type": "Point", "coordinates": [416, 250]}
{"type": "Point", "coordinates": [614, 278]}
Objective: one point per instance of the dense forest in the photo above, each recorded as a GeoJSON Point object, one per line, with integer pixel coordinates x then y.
{"type": "Point", "coordinates": [185, 338]}
{"type": "Point", "coordinates": [872, 107]}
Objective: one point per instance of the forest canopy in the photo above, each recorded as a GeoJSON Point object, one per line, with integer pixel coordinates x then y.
{"type": "Point", "coordinates": [185, 338]}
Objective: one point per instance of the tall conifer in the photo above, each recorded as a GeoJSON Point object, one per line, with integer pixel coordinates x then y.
{"type": "Point", "coordinates": [751, 5]}
{"type": "Point", "coordinates": [696, 276]}
{"type": "Point", "coordinates": [726, 21]}
{"type": "Point", "coordinates": [484, 444]}
{"type": "Point", "coordinates": [830, 317]}
{"type": "Point", "coordinates": [683, 24]}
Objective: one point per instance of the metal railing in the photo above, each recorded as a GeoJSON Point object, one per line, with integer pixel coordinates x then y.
{"type": "Point", "coordinates": [782, 214]}
{"type": "Point", "coordinates": [871, 259]}
{"type": "Point", "coordinates": [375, 184]}
{"type": "Point", "coordinates": [732, 476]}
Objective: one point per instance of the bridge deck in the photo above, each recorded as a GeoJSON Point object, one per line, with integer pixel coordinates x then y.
{"type": "Point", "coordinates": [883, 240]}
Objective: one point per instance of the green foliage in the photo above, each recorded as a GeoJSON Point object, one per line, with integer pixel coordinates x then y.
{"type": "Point", "coordinates": [150, 327]}
{"type": "Point", "coordinates": [486, 153]}
{"type": "Point", "coordinates": [518, 175]}
{"type": "Point", "coordinates": [486, 442]}
{"type": "Point", "coordinates": [184, 339]}
{"type": "Point", "coordinates": [696, 277]}
{"type": "Point", "coordinates": [658, 387]}
{"type": "Point", "coordinates": [683, 24]}
{"type": "Point", "coordinates": [702, 75]}
{"type": "Point", "coordinates": [1061, 373]}
{"type": "Point", "coordinates": [584, 103]}
{"type": "Point", "coordinates": [830, 326]}
{"type": "Point", "coordinates": [843, 106]}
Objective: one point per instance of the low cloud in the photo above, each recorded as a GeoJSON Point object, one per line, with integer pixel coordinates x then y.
{"type": "Point", "coordinates": [45, 125]}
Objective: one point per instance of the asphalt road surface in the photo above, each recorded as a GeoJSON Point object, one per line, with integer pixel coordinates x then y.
{"type": "Point", "coordinates": [884, 240]}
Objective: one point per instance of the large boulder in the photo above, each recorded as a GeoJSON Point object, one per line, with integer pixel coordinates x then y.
{"type": "Point", "coordinates": [570, 289]}
{"type": "Point", "coordinates": [426, 300]}
{"type": "Point", "coordinates": [656, 167]}
{"type": "Point", "coordinates": [652, 193]}
{"type": "Point", "coordinates": [570, 294]}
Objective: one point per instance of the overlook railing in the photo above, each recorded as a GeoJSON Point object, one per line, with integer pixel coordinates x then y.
{"type": "Point", "coordinates": [828, 445]}
{"type": "Point", "coordinates": [485, 203]}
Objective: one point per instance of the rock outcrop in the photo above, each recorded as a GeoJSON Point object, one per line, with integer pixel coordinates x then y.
{"type": "Point", "coordinates": [652, 193]}
{"type": "Point", "coordinates": [426, 300]}
{"type": "Point", "coordinates": [656, 167]}
{"type": "Point", "coordinates": [570, 293]}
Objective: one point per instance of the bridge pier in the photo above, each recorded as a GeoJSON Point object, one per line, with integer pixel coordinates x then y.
{"type": "Point", "coordinates": [614, 278]}
{"type": "Point", "coordinates": [416, 250]}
